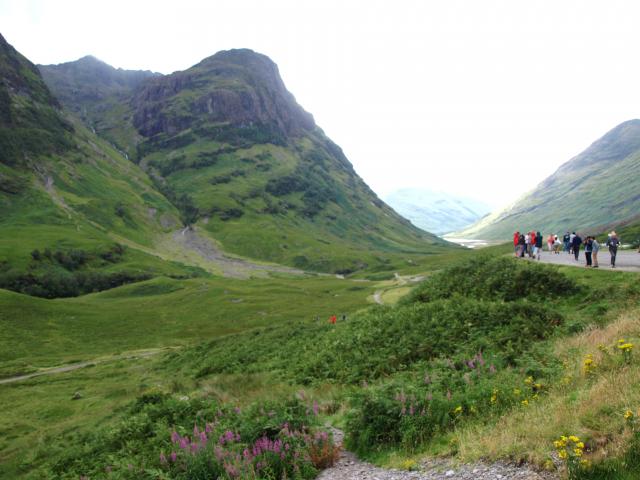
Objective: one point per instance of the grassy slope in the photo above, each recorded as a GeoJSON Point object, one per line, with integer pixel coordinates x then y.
{"type": "Point", "coordinates": [330, 240]}
{"type": "Point", "coordinates": [160, 312]}
{"type": "Point", "coordinates": [586, 193]}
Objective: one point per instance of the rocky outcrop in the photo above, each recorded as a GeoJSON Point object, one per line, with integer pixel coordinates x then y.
{"type": "Point", "coordinates": [236, 87]}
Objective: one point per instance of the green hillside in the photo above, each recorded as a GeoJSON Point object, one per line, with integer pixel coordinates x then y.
{"type": "Point", "coordinates": [68, 200]}
{"type": "Point", "coordinates": [229, 146]}
{"type": "Point", "coordinates": [597, 188]}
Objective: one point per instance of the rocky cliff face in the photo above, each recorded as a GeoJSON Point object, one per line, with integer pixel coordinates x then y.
{"type": "Point", "coordinates": [236, 87]}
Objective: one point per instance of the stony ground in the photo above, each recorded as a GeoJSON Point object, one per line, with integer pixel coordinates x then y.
{"type": "Point", "coordinates": [349, 467]}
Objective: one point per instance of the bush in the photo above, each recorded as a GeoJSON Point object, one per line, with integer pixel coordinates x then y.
{"type": "Point", "coordinates": [494, 278]}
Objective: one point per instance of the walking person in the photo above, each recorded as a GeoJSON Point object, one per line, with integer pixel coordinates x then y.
{"type": "Point", "coordinates": [588, 251]}
{"type": "Point", "coordinates": [527, 243]}
{"type": "Point", "coordinates": [550, 242]}
{"type": "Point", "coordinates": [516, 237]}
{"type": "Point", "coordinates": [566, 240]}
{"type": "Point", "coordinates": [595, 248]}
{"type": "Point", "coordinates": [538, 245]}
{"type": "Point", "coordinates": [613, 242]}
{"type": "Point", "coordinates": [575, 246]}
{"type": "Point", "coordinates": [571, 237]}
{"type": "Point", "coordinates": [521, 245]}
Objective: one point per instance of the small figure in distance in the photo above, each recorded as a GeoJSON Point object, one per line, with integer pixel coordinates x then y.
{"type": "Point", "coordinates": [566, 240]}
{"type": "Point", "coordinates": [516, 243]}
{"type": "Point", "coordinates": [613, 242]}
{"type": "Point", "coordinates": [521, 245]}
{"type": "Point", "coordinates": [571, 237]}
{"type": "Point", "coordinates": [538, 245]}
{"type": "Point", "coordinates": [595, 248]}
{"type": "Point", "coordinates": [332, 319]}
{"type": "Point", "coordinates": [550, 241]}
{"type": "Point", "coordinates": [588, 250]}
{"type": "Point", "coordinates": [556, 245]}
{"type": "Point", "coordinates": [575, 245]}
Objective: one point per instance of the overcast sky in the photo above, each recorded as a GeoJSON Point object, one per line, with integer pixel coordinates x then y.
{"type": "Point", "coordinates": [481, 98]}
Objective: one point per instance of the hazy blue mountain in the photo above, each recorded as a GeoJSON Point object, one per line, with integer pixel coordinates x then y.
{"type": "Point", "coordinates": [436, 212]}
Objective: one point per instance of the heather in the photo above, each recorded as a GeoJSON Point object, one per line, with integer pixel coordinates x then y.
{"type": "Point", "coordinates": [177, 437]}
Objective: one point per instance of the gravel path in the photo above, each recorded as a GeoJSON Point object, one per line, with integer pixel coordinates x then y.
{"type": "Point", "coordinates": [349, 467]}
{"type": "Point", "coordinates": [626, 260]}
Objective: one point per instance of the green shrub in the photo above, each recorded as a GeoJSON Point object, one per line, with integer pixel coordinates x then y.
{"type": "Point", "coordinates": [494, 278]}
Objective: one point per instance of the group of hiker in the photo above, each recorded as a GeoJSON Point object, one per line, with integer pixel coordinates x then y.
{"type": "Point", "coordinates": [530, 244]}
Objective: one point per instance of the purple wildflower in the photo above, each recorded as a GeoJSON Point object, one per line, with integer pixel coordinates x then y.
{"type": "Point", "coordinates": [173, 457]}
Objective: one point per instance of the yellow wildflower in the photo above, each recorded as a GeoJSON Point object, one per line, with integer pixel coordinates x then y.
{"type": "Point", "coordinates": [628, 415]}
{"type": "Point", "coordinates": [562, 454]}
{"type": "Point", "coordinates": [574, 439]}
{"type": "Point", "coordinates": [525, 402]}
{"type": "Point", "coordinates": [528, 380]}
{"type": "Point", "coordinates": [458, 410]}
{"type": "Point", "coordinates": [578, 452]}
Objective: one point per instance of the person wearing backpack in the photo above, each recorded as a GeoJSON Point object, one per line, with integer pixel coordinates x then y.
{"type": "Point", "coordinates": [613, 242]}
{"type": "Point", "coordinates": [575, 246]}
{"type": "Point", "coordinates": [538, 245]}
{"type": "Point", "coordinates": [588, 250]}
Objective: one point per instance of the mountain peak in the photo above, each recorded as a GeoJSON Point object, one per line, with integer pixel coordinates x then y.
{"type": "Point", "coordinates": [236, 87]}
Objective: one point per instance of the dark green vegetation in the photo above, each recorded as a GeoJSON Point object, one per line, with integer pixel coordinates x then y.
{"type": "Point", "coordinates": [29, 121]}
{"type": "Point", "coordinates": [595, 189]}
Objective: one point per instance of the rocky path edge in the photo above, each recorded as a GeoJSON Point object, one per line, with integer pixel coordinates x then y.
{"type": "Point", "coordinates": [349, 467]}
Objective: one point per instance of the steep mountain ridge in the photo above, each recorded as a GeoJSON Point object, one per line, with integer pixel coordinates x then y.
{"type": "Point", "coordinates": [98, 94]}
{"type": "Point", "coordinates": [596, 188]}
{"type": "Point", "coordinates": [30, 123]}
{"type": "Point", "coordinates": [235, 87]}
{"type": "Point", "coordinates": [68, 200]}
{"type": "Point", "coordinates": [229, 146]}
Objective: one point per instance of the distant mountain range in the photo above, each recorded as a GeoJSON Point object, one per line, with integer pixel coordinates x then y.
{"type": "Point", "coordinates": [434, 211]}
{"type": "Point", "coordinates": [599, 187]}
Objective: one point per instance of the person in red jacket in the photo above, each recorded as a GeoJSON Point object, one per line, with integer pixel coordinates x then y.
{"type": "Point", "coordinates": [332, 319]}
{"type": "Point", "coordinates": [516, 237]}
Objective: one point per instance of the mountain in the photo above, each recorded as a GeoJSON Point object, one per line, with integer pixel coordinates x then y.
{"type": "Point", "coordinates": [249, 169]}
{"type": "Point", "coordinates": [598, 187]}
{"type": "Point", "coordinates": [97, 93]}
{"type": "Point", "coordinates": [436, 212]}
{"type": "Point", "coordinates": [69, 202]}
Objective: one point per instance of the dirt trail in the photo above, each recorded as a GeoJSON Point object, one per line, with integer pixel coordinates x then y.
{"type": "Point", "coordinates": [349, 467]}
{"type": "Point", "coordinates": [76, 366]}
